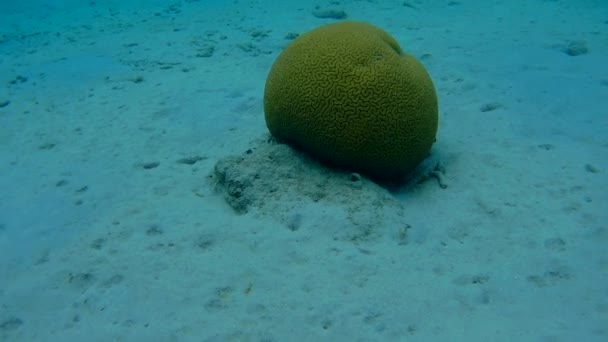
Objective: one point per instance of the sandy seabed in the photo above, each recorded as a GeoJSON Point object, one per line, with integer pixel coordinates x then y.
{"type": "Point", "coordinates": [125, 131]}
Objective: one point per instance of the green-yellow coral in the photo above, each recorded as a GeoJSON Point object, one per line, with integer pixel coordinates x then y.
{"type": "Point", "coordinates": [347, 94]}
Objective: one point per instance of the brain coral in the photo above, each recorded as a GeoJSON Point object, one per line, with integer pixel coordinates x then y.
{"type": "Point", "coordinates": [347, 94]}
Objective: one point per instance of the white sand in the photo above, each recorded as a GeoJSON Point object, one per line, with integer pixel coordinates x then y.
{"type": "Point", "coordinates": [94, 247]}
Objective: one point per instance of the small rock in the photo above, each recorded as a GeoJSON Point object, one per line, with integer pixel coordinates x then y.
{"type": "Point", "coordinates": [591, 168]}
{"type": "Point", "coordinates": [137, 79]}
{"type": "Point", "coordinates": [329, 14]}
{"type": "Point", "coordinates": [190, 160]}
{"type": "Point", "coordinates": [150, 165]}
{"type": "Point", "coordinates": [291, 35]}
{"type": "Point", "coordinates": [576, 48]}
{"type": "Point", "coordinates": [205, 51]}
{"type": "Point", "coordinates": [46, 146]}
{"type": "Point", "coordinates": [408, 4]}
{"type": "Point", "coordinates": [488, 107]}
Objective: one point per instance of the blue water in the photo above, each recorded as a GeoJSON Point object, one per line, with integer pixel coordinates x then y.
{"type": "Point", "coordinates": [107, 234]}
